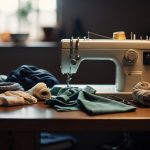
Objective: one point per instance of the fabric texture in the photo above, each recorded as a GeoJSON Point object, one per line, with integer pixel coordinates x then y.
{"type": "Point", "coordinates": [11, 100]}
{"type": "Point", "coordinates": [3, 78]}
{"type": "Point", "coordinates": [14, 98]}
{"type": "Point", "coordinates": [142, 85]}
{"type": "Point", "coordinates": [68, 99]}
{"type": "Point", "coordinates": [28, 76]}
{"type": "Point", "coordinates": [40, 91]}
{"type": "Point", "coordinates": [141, 93]}
{"type": "Point", "coordinates": [10, 86]}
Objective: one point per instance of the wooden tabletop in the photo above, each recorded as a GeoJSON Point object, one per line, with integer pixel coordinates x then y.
{"type": "Point", "coordinates": [39, 117]}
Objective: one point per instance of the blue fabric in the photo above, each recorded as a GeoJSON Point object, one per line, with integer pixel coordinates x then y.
{"type": "Point", "coordinates": [28, 76]}
{"type": "Point", "coordinates": [52, 139]}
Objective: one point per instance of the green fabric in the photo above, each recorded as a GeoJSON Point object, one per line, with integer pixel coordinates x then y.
{"type": "Point", "coordinates": [69, 99]}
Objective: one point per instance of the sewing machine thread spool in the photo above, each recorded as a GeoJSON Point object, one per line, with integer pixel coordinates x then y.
{"type": "Point", "coordinates": [120, 35]}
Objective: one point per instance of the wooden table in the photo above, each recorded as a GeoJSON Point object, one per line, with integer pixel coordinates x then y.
{"type": "Point", "coordinates": [41, 117]}
{"type": "Point", "coordinates": [25, 121]}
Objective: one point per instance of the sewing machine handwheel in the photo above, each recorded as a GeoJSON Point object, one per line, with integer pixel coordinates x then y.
{"type": "Point", "coordinates": [131, 56]}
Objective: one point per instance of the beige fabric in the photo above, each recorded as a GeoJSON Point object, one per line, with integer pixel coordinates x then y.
{"type": "Point", "coordinates": [11, 100]}
{"type": "Point", "coordinates": [41, 91]}
{"type": "Point", "coordinates": [14, 98]}
{"type": "Point", "coordinates": [28, 99]}
{"type": "Point", "coordinates": [141, 93]}
{"type": "Point", "coordinates": [142, 85]}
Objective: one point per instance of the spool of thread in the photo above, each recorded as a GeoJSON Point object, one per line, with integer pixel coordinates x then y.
{"type": "Point", "coordinates": [120, 35]}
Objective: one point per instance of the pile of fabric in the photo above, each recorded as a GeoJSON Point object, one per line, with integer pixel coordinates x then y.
{"type": "Point", "coordinates": [28, 76]}
{"type": "Point", "coordinates": [26, 85]}
{"type": "Point", "coordinates": [141, 93]}
{"type": "Point", "coordinates": [13, 98]}
{"type": "Point", "coordinates": [74, 98]}
{"type": "Point", "coordinates": [40, 91]}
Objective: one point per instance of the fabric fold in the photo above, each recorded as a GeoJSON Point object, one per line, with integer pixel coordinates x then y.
{"type": "Point", "coordinates": [28, 76]}
{"type": "Point", "coordinates": [15, 98]}
{"type": "Point", "coordinates": [68, 99]}
{"type": "Point", "coordinates": [142, 85]}
{"type": "Point", "coordinates": [94, 104]}
{"type": "Point", "coordinates": [11, 100]}
{"type": "Point", "coordinates": [10, 86]}
{"type": "Point", "coordinates": [141, 93]}
{"type": "Point", "coordinates": [28, 99]}
{"type": "Point", "coordinates": [41, 91]}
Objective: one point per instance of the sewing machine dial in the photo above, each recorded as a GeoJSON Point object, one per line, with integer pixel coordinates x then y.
{"type": "Point", "coordinates": [130, 57]}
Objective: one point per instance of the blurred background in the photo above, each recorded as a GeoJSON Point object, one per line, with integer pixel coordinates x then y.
{"type": "Point", "coordinates": [52, 20]}
{"type": "Point", "coordinates": [31, 30]}
{"type": "Point", "coordinates": [28, 16]}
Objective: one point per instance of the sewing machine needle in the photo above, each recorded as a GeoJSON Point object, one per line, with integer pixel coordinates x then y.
{"type": "Point", "coordinates": [68, 79]}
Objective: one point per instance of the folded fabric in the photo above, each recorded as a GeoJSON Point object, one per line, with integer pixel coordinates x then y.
{"type": "Point", "coordinates": [10, 86]}
{"type": "Point", "coordinates": [142, 85]}
{"type": "Point", "coordinates": [29, 99]}
{"type": "Point", "coordinates": [141, 93]}
{"type": "Point", "coordinates": [3, 78]}
{"type": "Point", "coordinates": [12, 98]}
{"type": "Point", "coordinates": [67, 99]}
{"type": "Point", "coordinates": [28, 76]}
{"type": "Point", "coordinates": [41, 91]}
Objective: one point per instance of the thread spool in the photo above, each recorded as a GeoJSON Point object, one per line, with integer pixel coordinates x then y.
{"type": "Point", "coordinates": [120, 35]}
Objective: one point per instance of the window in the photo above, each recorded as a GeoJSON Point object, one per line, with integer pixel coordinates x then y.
{"type": "Point", "coordinates": [43, 13]}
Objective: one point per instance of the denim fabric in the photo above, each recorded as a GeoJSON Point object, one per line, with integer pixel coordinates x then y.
{"type": "Point", "coordinates": [28, 76]}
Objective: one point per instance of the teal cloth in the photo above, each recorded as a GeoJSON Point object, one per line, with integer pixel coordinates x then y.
{"type": "Point", "coordinates": [72, 98]}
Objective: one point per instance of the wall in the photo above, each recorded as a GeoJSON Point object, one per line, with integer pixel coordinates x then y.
{"type": "Point", "coordinates": [100, 16]}
{"type": "Point", "coordinates": [106, 16]}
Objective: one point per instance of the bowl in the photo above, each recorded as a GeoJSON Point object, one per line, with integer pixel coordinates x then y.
{"type": "Point", "coordinates": [20, 38]}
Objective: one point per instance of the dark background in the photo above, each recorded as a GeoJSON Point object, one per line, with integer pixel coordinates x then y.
{"type": "Point", "coordinates": [77, 17]}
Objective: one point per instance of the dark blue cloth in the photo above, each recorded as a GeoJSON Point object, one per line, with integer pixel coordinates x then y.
{"type": "Point", "coordinates": [28, 76]}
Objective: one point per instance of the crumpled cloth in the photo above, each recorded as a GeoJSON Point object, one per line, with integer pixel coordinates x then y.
{"type": "Point", "coordinates": [28, 76]}
{"type": "Point", "coordinates": [15, 98]}
{"type": "Point", "coordinates": [69, 99]}
{"type": "Point", "coordinates": [41, 91]}
{"type": "Point", "coordinates": [141, 93]}
{"type": "Point", "coordinates": [142, 85]}
{"type": "Point", "coordinates": [10, 86]}
{"type": "Point", "coordinates": [3, 78]}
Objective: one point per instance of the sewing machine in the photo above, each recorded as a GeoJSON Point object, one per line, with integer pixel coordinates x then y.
{"type": "Point", "coordinates": [131, 58]}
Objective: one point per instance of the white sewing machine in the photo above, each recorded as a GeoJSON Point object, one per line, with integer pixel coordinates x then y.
{"type": "Point", "coordinates": [131, 58]}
